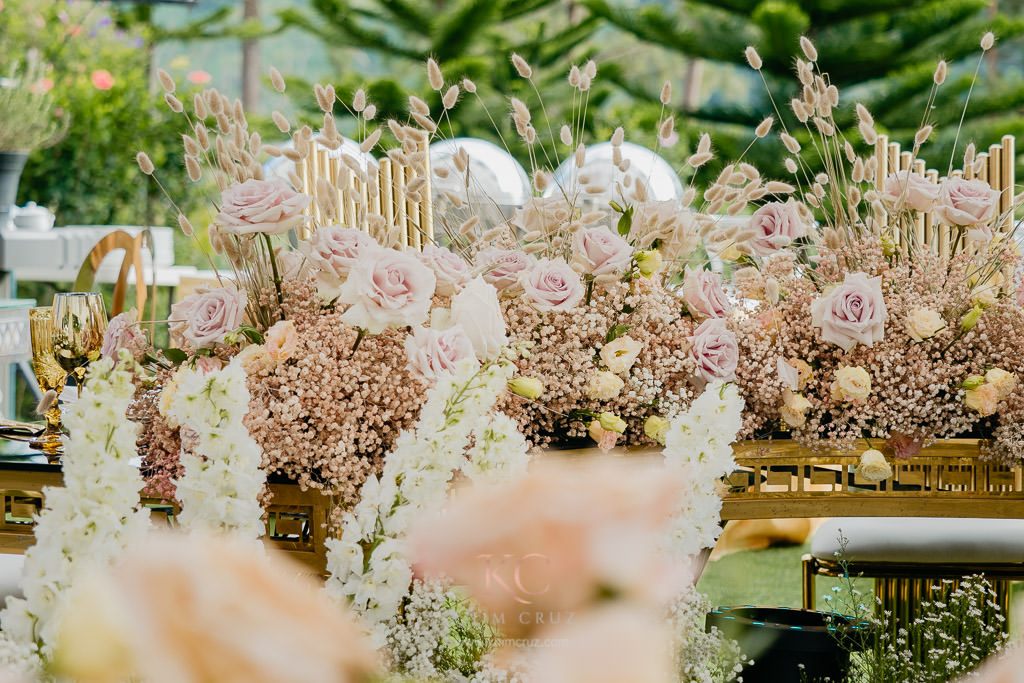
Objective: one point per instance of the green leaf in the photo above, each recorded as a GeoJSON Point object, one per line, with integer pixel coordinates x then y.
{"type": "Point", "coordinates": [615, 332]}
{"type": "Point", "coordinates": [176, 356]}
{"type": "Point", "coordinates": [252, 334]}
{"type": "Point", "coordinates": [626, 221]}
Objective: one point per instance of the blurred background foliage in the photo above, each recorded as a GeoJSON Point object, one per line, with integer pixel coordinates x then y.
{"type": "Point", "coordinates": [103, 58]}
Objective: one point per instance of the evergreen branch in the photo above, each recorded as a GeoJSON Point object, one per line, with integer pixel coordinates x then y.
{"type": "Point", "coordinates": [454, 30]}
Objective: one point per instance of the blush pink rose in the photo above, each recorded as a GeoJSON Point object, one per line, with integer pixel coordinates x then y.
{"type": "Point", "coordinates": [966, 202]}
{"type": "Point", "coordinates": [598, 251]}
{"type": "Point", "coordinates": [207, 364]}
{"type": "Point", "coordinates": [387, 288]}
{"type": "Point", "coordinates": [432, 353]}
{"type": "Point", "coordinates": [260, 206]}
{"type": "Point", "coordinates": [703, 294]}
{"type": "Point", "coordinates": [552, 286]}
{"type": "Point", "coordinates": [906, 189]}
{"type": "Point", "coordinates": [451, 270]}
{"type": "Point", "coordinates": [282, 340]}
{"type": "Point", "coordinates": [903, 446]}
{"type": "Point", "coordinates": [334, 250]}
{"type": "Point", "coordinates": [714, 350]}
{"type": "Point", "coordinates": [775, 225]}
{"type": "Point", "coordinates": [124, 332]}
{"type": "Point", "coordinates": [853, 312]}
{"type": "Point", "coordinates": [502, 267]}
{"type": "Point", "coordinates": [203, 319]}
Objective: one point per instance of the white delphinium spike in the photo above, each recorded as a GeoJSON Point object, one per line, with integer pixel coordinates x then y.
{"type": "Point", "coordinates": [666, 128]}
{"type": "Point", "coordinates": [522, 67]}
{"type": "Point", "coordinates": [419, 106]}
{"type": "Point", "coordinates": [434, 75]}
{"type": "Point", "coordinates": [808, 48]}
{"type": "Point", "coordinates": [451, 96]}
{"type": "Point", "coordinates": [276, 80]}
{"type": "Point", "coordinates": [987, 41]}
{"type": "Point", "coordinates": [166, 82]}
{"type": "Point", "coordinates": [618, 136]}
{"type": "Point", "coordinates": [790, 165]}
{"type": "Point", "coordinates": [370, 142]}
{"type": "Point", "coordinates": [764, 127]}
{"type": "Point", "coordinates": [565, 135]}
{"type": "Point", "coordinates": [753, 59]}
{"type": "Point", "coordinates": [922, 135]}
{"type": "Point", "coordinates": [940, 72]}
{"type": "Point", "coordinates": [468, 85]}
{"type": "Point", "coordinates": [359, 100]}
{"type": "Point", "coordinates": [790, 142]}
{"type": "Point", "coordinates": [666, 93]}
{"type": "Point", "coordinates": [145, 163]}
{"type": "Point", "coordinates": [173, 103]}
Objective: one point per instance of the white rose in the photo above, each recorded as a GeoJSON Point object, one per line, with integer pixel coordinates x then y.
{"type": "Point", "coordinates": [924, 323]}
{"type": "Point", "coordinates": [604, 386]}
{"type": "Point", "coordinates": [477, 311]}
{"type": "Point", "coordinates": [873, 466]}
{"type": "Point", "coordinates": [620, 354]}
{"type": "Point", "coordinates": [911, 190]}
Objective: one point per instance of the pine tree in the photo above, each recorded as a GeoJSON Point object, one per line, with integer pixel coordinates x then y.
{"type": "Point", "coordinates": [879, 52]}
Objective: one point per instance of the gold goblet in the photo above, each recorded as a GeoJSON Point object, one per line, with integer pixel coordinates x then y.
{"type": "Point", "coordinates": [49, 375]}
{"type": "Point", "coordinates": [79, 321]}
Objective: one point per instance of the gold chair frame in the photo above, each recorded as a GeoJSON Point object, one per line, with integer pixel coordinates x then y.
{"type": "Point", "coordinates": [132, 246]}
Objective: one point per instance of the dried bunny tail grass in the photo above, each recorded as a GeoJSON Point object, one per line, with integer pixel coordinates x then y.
{"type": "Point", "coordinates": [808, 48]}
{"type": "Point", "coordinates": [522, 67]}
{"type": "Point", "coordinates": [824, 127]}
{"type": "Point", "coordinates": [864, 116]}
{"type": "Point", "coordinates": [541, 180]}
{"type": "Point", "coordinates": [174, 103]}
{"type": "Point", "coordinates": [565, 135]}
{"type": "Point", "coordinates": [202, 136]}
{"type": "Point", "coordinates": [185, 225]}
{"type": "Point", "coordinates": [790, 142]}
{"type": "Point", "coordinates": [800, 110]}
{"type": "Point", "coordinates": [987, 41]}
{"type": "Point", "coordinates": [281, 121]}
{"type": "Point", "coordinates": [424, 122]}
{"type": "Point", "coordinates": [753, 59]}
{"type": "Point", "coordinates": [779, 187]}
{"type": "Point", "coordinates": [145, 163]}
{"type": "Point", "coordinates": [666, 128]}
{"type": "Point", "coordinates": [520, 110]}
{"type": "Point", "coordinates": [851, 154]}
{"type": "Point", "coordinates": [190, 145]}
{"type": "Point", "coordinates": [434, 75]}
{"type": "Point", "coordinates": [166, 82]}
{"type": "Point", "coordinates": [370, 142]}
{"type": "Point", "coordinates": [791, 165]}
{"type": "Point", "coordinates": [764, 127]}
{"type": "Point", "coordinates": [193, 169]}
{"type": "Point", "coordinates": [276, 80]}
{"type": "Point", "coordinates": [867, 131]}
{"type": "Point", "coordinates": [419, 106]}
{"type": "Point", "coordinates": [969, 155]}
{"type": "Point", "coordinates": [574, 76]}
{"type": "Point", "coordinates": [666, 93]}
{"type": "Point", "coordinates": [940, 72]}
{"type": "Point", "coordinates": [580, 155]}
{"type": "Point", "coordinates": [199, 106]}
{"type": "Point", "coordinates": [618, 136]}
{"type": "Point", "coordinates": [359, 100]}
{"type": "Point", "coordinates": [469, 226]}
{"type": "Point", "coordinates": [451, 96]}
{"type": "Point", "coordinates": [922, 135]}
{"type": "Point", "coordinates": [369, 112]}
{"type": "Point", "coordinates": [590, 69]}
{"type": "Point", "coordinates": [468, 85]}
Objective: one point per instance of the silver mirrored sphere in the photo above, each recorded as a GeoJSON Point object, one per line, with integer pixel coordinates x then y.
{"type": "Point", "coordinates": [597, 182]}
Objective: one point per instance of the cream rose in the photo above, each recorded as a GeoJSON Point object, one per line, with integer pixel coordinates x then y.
{"type": "Point", "coordinates": [476, 309]}
{"type": "Point", "coordinates": [794, 408]}
{"type": "Point", "coordinates": [851, 384]}
{"type": "Point", "coordinates": [714, 350]}
{"type": "Point", "coordinates": [260, 206]}
{"type": "Point", "coordinates": [804, 371]}
{"type": "Point", "coordinates": [775, 225]}
{"type": "Point", "coordinates": [910, 190]}
{"type": "Point", "coordinates": [387, 288]}
{"type": "Point", "coordinates": [282, 341]}
{"type": "Point", "coordinates": [334, 250]}
{"type": "Point", "coordinates": [604, 386]}
{"type": "Point", "coordinates": [924, 323]}
{"type": "Point", "coordinates": [620, 354]}
{"type": "Point", "coordinates": [1004, 382]}
{"type": "Point", "coordinates": [873, 466]}
{"type": "Point", "coordinates": [255, 358]}
{"type": "Point", "coordinates": [204, 319]}
{"type": "Point", "coordinates": [852, 313]}
{"type": "Point", "coordinates": [966, 202]}
{"type": "Point", "coordinates": [598, 251]}
{"type": "Point", "coordinates": [502, 268]}
{"type": "Point", "coordinates": [552, 286]}
{"type": "Point", "coordinates": [702, 291]}
{"type": "Point", "coordinates": [451, 270]}
{"type": "Point", "coordinates": [432, 353]}
{"type": "Point", "coordinates": [983, 399]}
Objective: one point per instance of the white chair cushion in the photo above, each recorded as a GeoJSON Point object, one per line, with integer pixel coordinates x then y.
{"type": "Point", "coordinates": [922, 540]}
{"type": "Point", "coordinates": [11, 569]}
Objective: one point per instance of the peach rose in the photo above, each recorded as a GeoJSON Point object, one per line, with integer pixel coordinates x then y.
{"type": "Point", "coordinates": [853, 312]}
{"type": "Point", "coordinates": [282, 341]}
{"type": "Point", "coordinates": [794, 408]}
{"type": "Point", "coordinates": [775, 226]}
{"type": "Point", "coordinates": [552, 286]}
{"type": "Point", "coordinates": [910, 190]}
{"type": "Point", "coordinates": [983, 399]}
{"type": "Point", "coordinates": [261, 206]}
{"type": "Point", "coordinates": [598, 251]}
{"type": "Point", "coordinates": [702, 291]}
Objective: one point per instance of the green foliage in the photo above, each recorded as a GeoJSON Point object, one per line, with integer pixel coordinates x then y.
{"type": "Point", "coordinates": [27, 117]}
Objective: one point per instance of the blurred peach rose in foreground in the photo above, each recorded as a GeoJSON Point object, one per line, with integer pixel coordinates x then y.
{"type": "Point", "coordinates": [179, 609]}
{"type": "Point", "coordinates": [568, 534]}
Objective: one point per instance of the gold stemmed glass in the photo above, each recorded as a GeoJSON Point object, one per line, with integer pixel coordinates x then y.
{"type": "Point", "coordinates": [49, 375]}
{"type": "Point", "coordinates": [79, 321]}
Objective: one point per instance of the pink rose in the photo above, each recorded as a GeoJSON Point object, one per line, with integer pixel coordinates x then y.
{"type": "Point", "coordinates": [124, 332]}
{"type": "Point", "coordinates": [910, 190]}
{"type": "Point", "coordinates": [552, 286]}
{"type": "Point", "coordinates": [775, 225]}
{"type": "Point", "coordinates": [282, 340]}
{"type": "Point", "coordinates": [477, 311]}
{"type": "Point", "coordinates": [903, 446]}
{"type": "Point", "coordinates": [501, 267]}
{"type": "Point", "coordinates": [204, 318]}
{"type": "Point", "coordinates": [334, 250]}
{"type": "Point", "coordinates": [598, 251]}
{"type": "Point", "coordinates": [207, 364]}
{"type": "Point", "coordinates": [703, 294]}
{"type": "Point", "coordinates": [451, 270]}
{"type": "Point", "coordinates": [714, 350]}
{"type": "Point", "coordinates": [432, 353]}
{"type": "Point", "coordinates": [965, 202]}
{"type": "Point", "coordinates": [852, 312]}
{"type": "Point", "coordinates": [261, 206]}
{"type": "Point", "coordinates": [387, 288]}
